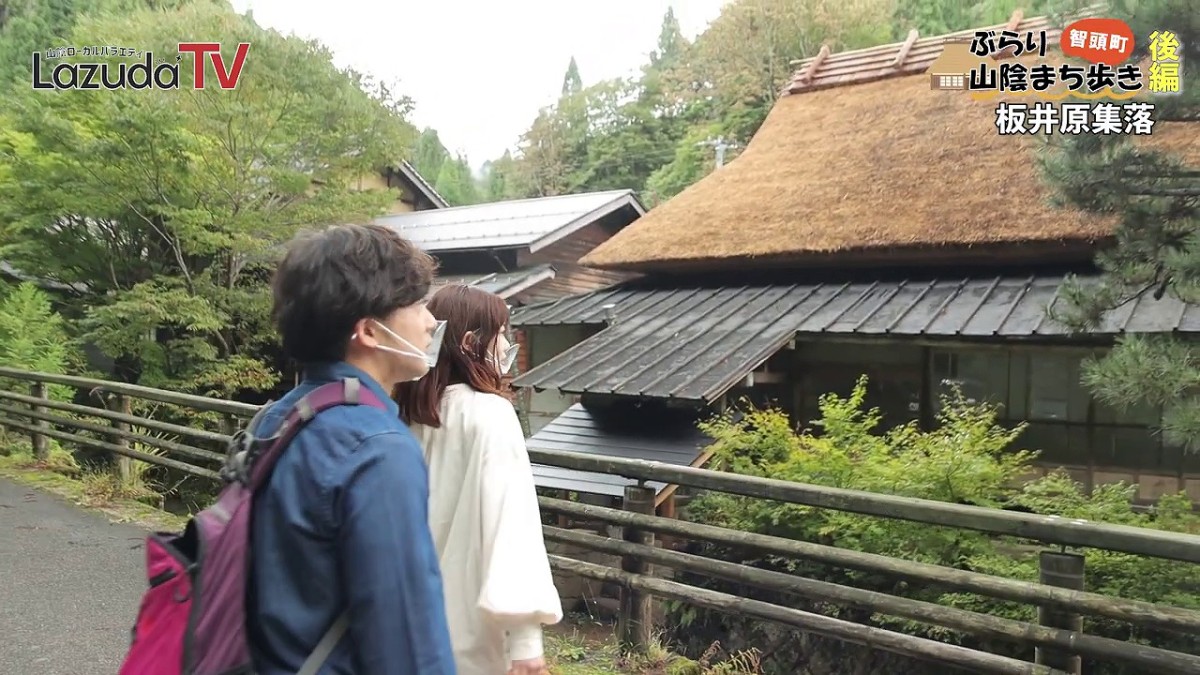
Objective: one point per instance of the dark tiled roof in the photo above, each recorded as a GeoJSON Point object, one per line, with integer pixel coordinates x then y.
{"type": "Point", "coordinates": [696, 343]}
{"type": "Point", "coordinates": [672, 439]}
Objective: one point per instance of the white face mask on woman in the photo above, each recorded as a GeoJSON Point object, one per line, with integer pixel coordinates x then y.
{"type": "Point", "coordinates": [505, 363]}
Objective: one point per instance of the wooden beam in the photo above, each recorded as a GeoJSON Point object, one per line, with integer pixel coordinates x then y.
{"type": "Point", "coordinates": [112, 447]}
{"type": "Point", "coordinates": [670, 490]}
{"type": "Point", "coordinates": [905, 48]}
{"type": "Point", "coordinates": [817, 62]}
{"type": "Point", "coordinates": [877, 638]}
{"type": "Point", "coordinates": [1049, 529]}
{"type": "Point", "coordinates": [114, 432]}
{"type": "Point", "coordinates": [1121, 609]}
{"type": "Point", "coordinates": [1105, 650]}
{"type": "Point", "coordinates": [92, 411]}
{"type": "Point", "coordinates": [1015, 20]}
{"type": "Point", "coordinates": [136, 391]}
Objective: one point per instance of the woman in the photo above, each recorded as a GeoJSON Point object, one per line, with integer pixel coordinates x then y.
{"type": "Point", "coordinates": [483, 510]}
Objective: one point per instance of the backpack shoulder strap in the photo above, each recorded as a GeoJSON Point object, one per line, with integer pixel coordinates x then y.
{"type": "Point", "coordinates": [348, 391]}
{"type": "Point", "coordinates": [325, 647]}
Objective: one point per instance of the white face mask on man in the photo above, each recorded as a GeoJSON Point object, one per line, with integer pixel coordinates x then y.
{"type": "Point", "coordinates": [429, 356]}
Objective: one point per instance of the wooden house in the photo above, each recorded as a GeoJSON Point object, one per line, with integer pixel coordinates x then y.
{"type": "Point", "coordinates": [870, 226]}
{"type": "Point", "coordinates": [526, 251]}
{"type": "Point", "coordinates": [416, 193]}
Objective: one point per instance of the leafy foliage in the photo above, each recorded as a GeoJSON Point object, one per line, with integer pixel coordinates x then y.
{"type": "Point", "coordinates": [966, 458]}
{"type": "Point", "coordinates": [33, 336]}
{"type": "Point", "coordinates": [168, 207]}
{"type": "Point", "coordinates": [647, 134]}
{"type": "Point", "coordinates": [1155, 198]}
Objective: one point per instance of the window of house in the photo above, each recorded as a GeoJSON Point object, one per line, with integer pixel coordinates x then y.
{"type": "Point", "coordinates": [981, 375]}
{"type": "Point", "coordinates": [1055, 393]}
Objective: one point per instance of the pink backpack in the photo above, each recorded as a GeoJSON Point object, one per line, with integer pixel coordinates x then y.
{"type": "Point", "coordinates": [192, 619]}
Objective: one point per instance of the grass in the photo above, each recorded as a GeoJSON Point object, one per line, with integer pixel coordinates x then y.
{"type": "Point", "coordinates": [97, 491]}
{"type": "Point", "coordinates": [581, 646]}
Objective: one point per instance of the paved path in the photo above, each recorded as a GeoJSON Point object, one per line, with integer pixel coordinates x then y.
{"type": "Point", "coordinates": [70, 582]}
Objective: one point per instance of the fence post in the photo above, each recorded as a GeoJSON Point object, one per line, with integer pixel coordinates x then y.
{"type": "Point", "coordinates": [124, 464]}
{"type": "Point", "coordinates": [1063, 570]}
{"type": "Point", "coordinates": [41, 444]}
{"type": "Point", "coordinates": [636, 620]}
{"type": "Point", "coordinates": [228, 424]}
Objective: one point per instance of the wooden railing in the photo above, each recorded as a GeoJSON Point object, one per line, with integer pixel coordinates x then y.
{"type": "Point", "coordinates": [1058, 638]}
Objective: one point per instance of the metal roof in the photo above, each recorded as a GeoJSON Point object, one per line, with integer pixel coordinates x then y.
{"type": "Point", "coordinates": [518, 223]}
{"type": "Point", "coordinates": [696, 343]}
{"type": "Point", "coordinates": [672, 438]}
{"type": "Point", "coordinates": [425, 187]}
{"type": "Point", "coordinates": [504, 284]}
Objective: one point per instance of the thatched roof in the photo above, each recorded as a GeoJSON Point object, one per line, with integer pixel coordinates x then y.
{"type": "Point", "coordinates": [856, 166]}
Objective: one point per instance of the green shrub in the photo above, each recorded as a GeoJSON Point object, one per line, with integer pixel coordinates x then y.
{"type": "Point", "coordinates": [966, 458]}
{"type": "Point", "coordinates": [32, 335]}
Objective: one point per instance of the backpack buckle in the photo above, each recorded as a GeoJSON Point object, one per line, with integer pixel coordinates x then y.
{"type": "Point", "coordinates": [244, 447]}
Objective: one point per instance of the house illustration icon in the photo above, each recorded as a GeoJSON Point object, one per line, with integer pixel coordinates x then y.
{"type": "Point", "coordinates": [953, 67]}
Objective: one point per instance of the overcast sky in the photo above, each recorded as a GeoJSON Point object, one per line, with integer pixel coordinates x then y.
{"type": "Point", "coordinates": [480, 69]}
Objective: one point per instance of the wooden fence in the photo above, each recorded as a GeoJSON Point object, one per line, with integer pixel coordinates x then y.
{"type": "Point", "coordinates": [1062, 602]}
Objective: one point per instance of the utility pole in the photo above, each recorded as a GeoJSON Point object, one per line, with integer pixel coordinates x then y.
{"type": "Point", "coordinates": [720, 145]}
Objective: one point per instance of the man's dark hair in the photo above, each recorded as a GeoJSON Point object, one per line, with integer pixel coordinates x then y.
{"type": "Point", "coordinates": [330, 279]}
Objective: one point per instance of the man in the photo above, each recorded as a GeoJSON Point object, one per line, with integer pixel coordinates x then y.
{"type": "Point", "coordinates": [342, 524]}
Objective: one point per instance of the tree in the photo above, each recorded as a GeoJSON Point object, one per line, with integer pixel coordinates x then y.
{"type": "Point", "coordinates": [169, 206]}
{"type": "Point", "coordinates": [503, 179]}
{"type": "Point", "coordinates": [937, 17]}
{"type": "Point", "coordinates": [456, 184]}
{"type": "Point", "coordinates": [744, 57]}
{"type": "Point", "coordinates": [33, 336]}
{"type": "Point", "coordinates": [671, 42]}
{"type": "Point", "coordinates": [429, 154]}
{"type": "Point", "coordinates": [546, 157]}
{"type": "Point", "coordinates": [1155, 198]}
{"type": "Point", "coordinates": [644, 134]}
{"type": "Point", "coordinates": [572, 83]}
{"type": "Point", "coordinates": [27, 26]}
{"type": "Point", "coordinates": [690, 163]}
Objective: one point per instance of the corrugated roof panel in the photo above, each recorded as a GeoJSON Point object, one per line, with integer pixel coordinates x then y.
{"type": "Point", "coordinates": [741, 350]}
{"type": "Point", "coordinates": [503, 284]}
{"type": "Point", "coordinates": [697, 313]}
{"type": "Point", "coordinates": [513, 223]}
{"type": "Point", "coordinates": [1029, 314]}
{"type": "Point", "coordinates": [962, 308]}
{"type": "Point", "coordinates": [883, 320]}
{"type": "Point", "coordinates": [989, 318]}
{"type": "Point", "coordinates": [1156, 316]}
{"type": "Point", "coordinates": [695, 343]}
{"type": "Point", "coordinates": [658, 372]}
{"type": "Point", "coordinates": [670, 437]}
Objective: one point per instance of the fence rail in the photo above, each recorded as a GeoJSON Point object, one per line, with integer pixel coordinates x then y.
{"type": "Point", "coordinates": [1059, 640]}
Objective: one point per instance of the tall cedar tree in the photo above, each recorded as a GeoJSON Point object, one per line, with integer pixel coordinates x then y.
{"type": "Point", "coordinates": [1154, 196]}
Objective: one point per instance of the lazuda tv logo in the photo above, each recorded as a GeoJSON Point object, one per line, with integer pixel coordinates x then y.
{"type": "Point", "coordinates": [144, 74]}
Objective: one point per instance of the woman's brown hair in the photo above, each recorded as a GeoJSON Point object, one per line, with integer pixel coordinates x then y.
{"type": "Point", "coordinates": [465, 309]}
